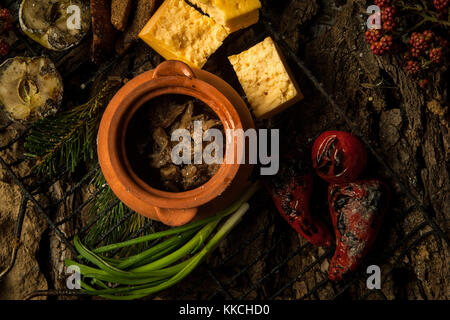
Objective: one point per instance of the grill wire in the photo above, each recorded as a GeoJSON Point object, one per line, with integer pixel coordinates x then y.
{"type": "Point", "coordinates": [222, 289]}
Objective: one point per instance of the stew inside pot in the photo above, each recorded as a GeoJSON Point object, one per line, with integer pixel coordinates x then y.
{"type": "Point", "coordinates": [149, 146]}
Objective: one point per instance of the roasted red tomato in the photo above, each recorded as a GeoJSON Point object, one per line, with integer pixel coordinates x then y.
{"type": "Point", "coordinates": [338, 157]}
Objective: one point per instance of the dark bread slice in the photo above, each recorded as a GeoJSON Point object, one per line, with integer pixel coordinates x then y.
{"type": "Point", "coordinates": [144, 11]}
{"type": "Point", "coordinates": [102, 29]}
{"type": "Point", "coordinates": [120, 11]}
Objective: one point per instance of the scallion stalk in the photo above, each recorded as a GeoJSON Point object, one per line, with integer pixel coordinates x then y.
{"type": "Point", "coordinates": [144, 290]}
{"type": "Point", "coordinates": [178, 230]}
{"type": "Point", "coordinates": [161, 249]}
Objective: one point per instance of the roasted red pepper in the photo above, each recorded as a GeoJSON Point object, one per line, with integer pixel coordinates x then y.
{"type": "Point", "coordinates": [291, 191]}
{"type": "Point", "coordinates": [357, 210]}
{"type": "Point", "coordinates": [338, 157]}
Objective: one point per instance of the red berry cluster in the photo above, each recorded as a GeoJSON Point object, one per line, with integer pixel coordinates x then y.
{"type": "Point", "coordinates": [420, 42]}
{"type": "Point", "coordinates": [381, 47]}
{"type": "Point", "coordinates": [424, 49]}
{"type": "Point", "coordinates": [441, 5]}
{"type": "Point", "coordinates": [423, 83]}
{"type": "Point", "coordinates": [426, 44]}
{"type": "Point", "coordinates": [382, 3]}
{"type": "Point", "coordinates": [5, 20]}
{"type": "Point", "coordinates": [436, 55]}
{"type": "Point", "coordinates": [373, 35]}
{"type": "Point", "coordinates": [388, 15]}
{"type": "Point", "coordinates": [442, 8]}
{"type": "Point", "coordinates": [377, 49]}
{"type": "Point", "coordinates": [382, 43]}
{"type": "Point", "coordinates": [5, 26]}
{"type": "Point", "coordinates": [412, 67]}
{"type": "Point", "coordinates": [4, 48]}
{"type": "Point", "coordinates": [428, 35]}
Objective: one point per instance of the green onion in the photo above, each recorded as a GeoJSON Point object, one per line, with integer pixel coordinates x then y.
{"type": "Point", "coordinates": [198, 240]}
{"type": "Point", "coordinates": [157, 251]}
{"type": "Point", "coordinates": [90, 272]}
{"type": "Point", "coordinates": [146, 271]}
{"type": "Point", "coordinates": [160, 266]}
{"type": "Point", "coordinates": [226, 212]}
{"type": "Point", "coordinates": [154, 253]}
{"type": "Point", "coordinates": [144, 290]}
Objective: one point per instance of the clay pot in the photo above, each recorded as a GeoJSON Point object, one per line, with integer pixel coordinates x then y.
{"type": "Point", "coordinates": [174, 209]}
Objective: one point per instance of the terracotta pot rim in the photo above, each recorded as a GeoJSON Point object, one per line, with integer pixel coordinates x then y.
{"type": "Point", "coordinates": [130, 102]}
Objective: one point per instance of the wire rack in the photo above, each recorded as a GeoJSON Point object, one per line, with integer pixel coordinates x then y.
{"type": "Point", "coordinates": [221, 284]}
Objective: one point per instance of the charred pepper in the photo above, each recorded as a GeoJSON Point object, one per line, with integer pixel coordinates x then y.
{"type": "Point", "coordinates": [291, 190]}
{"type": "Point", "coordinates": [357, 210]}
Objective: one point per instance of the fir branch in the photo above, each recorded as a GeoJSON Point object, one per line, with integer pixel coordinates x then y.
{"type": "Point", "coordinates": [68, 138]}
{"type": "Point", "coordinates": [110, 227]}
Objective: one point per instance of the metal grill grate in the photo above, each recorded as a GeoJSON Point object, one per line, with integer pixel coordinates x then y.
{"type": "Point", "coordinates": [223, 285]}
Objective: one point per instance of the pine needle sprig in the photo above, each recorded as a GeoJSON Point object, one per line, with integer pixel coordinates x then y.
{"type": "Point", "coordinates": [68, 138]}
{"type": "Point", "coordinates": [119, 223]}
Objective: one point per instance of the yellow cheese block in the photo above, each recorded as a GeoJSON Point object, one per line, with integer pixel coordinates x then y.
{"type": "Point", "coordinates": [232, 14]}
{"type": "Point", "coordinates": [177, 31]}
{"type": "Point", "coordinates": [266, 79]}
